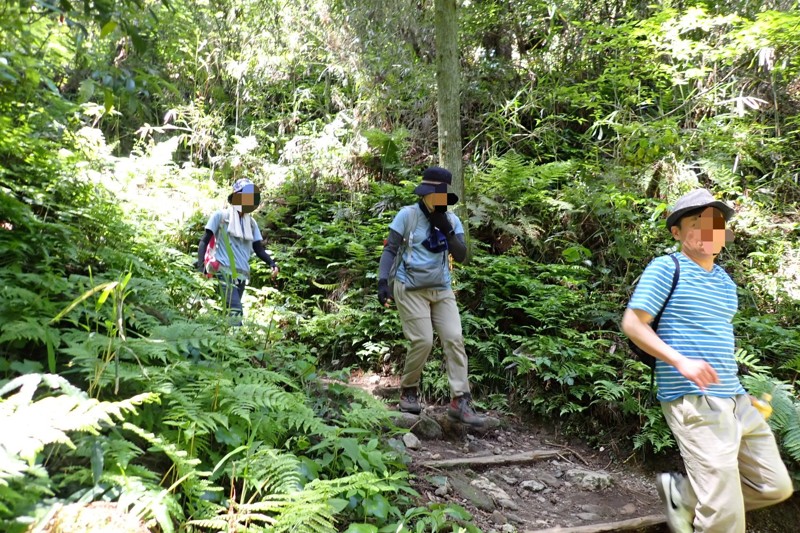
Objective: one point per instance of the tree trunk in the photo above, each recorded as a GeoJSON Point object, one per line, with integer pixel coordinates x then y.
{"type": "Point", "coordinates": [448, 81]}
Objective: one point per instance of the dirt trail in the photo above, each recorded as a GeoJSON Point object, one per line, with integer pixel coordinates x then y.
{"type": "Point", "coordinates": [570, 488]}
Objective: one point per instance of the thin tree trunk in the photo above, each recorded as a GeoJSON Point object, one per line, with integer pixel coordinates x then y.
{"type": "Point", "coordinates": [448, 81]}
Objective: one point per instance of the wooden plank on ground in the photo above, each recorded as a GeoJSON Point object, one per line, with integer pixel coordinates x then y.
{"type": "Point", "coordinates": [622, 525]}
{"type": "Point", "coordinates": [495, 460]}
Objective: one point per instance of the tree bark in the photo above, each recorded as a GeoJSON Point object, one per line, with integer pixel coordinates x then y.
{"type": "Point", "coordinates": [448, 82]}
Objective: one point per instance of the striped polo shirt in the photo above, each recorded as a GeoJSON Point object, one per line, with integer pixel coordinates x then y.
{"type": "Point", "coordinates": [696, 323]}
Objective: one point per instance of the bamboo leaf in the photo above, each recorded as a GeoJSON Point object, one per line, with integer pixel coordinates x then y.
{"type": "Point", "coordinates": [83, 297]}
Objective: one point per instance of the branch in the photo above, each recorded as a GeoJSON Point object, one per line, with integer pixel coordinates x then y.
{"type": "Point", "coordinates": [622, 525]}
{"type": "Point", "coordinates": [494, 460]}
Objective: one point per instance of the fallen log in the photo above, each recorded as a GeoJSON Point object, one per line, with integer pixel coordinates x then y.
{"type": "Point", "coordinates": [495, 460]}
{"type": "Point", "coordinates": [622, 525]}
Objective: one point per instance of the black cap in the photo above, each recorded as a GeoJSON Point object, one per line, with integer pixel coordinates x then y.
{"type": "Point", "coordinates": [436, 179]}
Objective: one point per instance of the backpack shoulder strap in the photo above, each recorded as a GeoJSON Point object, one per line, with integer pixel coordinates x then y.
{"type": "Point", "coordinates": [675, 277]}
{"type": "Point", "coordinates": [451, 217]}
{"type": "Point", "coordinates": [411, 225]}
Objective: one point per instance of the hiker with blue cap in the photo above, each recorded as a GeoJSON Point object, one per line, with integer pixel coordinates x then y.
{"type": "Point", "coordinates": [233, 233]}
{"type": "Point", "coordinates": [415, 274]}
{"type": "Point", "coordinates": [732, 460]}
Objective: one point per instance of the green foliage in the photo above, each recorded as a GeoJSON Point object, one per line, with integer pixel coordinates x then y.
{"type": "Point", "coordinates": [31, 424]}
{"type": "Point", "coordinates": [582, 122]}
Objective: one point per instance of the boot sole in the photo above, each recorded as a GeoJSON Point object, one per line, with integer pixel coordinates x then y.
{"type": "Point", "coordinates": [412, 410]}
{"type": "Point", "coordinates": [457, 418]}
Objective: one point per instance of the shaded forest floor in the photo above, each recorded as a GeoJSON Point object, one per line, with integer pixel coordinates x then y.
{"type": "Point", "coordinates": [572, 487]}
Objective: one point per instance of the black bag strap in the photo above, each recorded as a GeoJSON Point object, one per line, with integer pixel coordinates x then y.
{"type": "Point", "coordinates": [675, 277]}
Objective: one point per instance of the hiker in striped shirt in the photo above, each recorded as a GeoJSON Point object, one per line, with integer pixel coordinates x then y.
{"type": "Point", "coordinates": [730, 454]}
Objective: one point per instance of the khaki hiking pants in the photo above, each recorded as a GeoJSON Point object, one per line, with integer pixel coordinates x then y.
{"type": "Point", "coordinates": [731, 459]}
{"type": "Point", "coordinates": [422, 311]}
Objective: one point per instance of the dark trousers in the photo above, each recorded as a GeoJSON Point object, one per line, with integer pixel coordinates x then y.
{"type": "Point", "coordinates": [232, 291]}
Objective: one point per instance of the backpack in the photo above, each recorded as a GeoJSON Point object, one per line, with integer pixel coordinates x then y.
{"type": "Point", "coordinates": [210, 262]}
{"type": "Point", "coordinates": [408, 235]}
{"type": "Point", "coordinates": [640, 353]}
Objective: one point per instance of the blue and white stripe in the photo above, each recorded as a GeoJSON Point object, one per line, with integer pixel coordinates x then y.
{"type": "Point", "coordinates": [696, 323]}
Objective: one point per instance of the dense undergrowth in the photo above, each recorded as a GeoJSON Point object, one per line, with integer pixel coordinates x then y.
{"type": "Point", "coordinates": [122, 128]}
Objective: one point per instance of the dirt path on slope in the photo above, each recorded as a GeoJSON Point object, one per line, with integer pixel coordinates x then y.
{"type": "Point", "coordinates": [525, 478]}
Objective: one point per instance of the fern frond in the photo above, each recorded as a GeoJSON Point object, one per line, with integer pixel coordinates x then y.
{"type": "Point", "coordinates": [273, 472]}
{"type": "Point", "coordinates": [29, 425]}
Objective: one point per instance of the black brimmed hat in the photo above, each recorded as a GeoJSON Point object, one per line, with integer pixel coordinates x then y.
{"type": "Point", "coordinates": [695, 200]}
{"type": "Point", "coordinates": [436, 179]}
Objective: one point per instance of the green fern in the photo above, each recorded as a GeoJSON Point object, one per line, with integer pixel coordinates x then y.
{"type": "Point", "coordinates": [310, 510]}
{"type": "Point", "coordinates": [785, 419]}
{"type": "Point", "coordinates": [29, 425]}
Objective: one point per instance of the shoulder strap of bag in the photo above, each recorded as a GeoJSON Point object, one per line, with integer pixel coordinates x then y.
{"type": "Point", "coordinates": [675, 277]}
{"type": "Point", "coordinates": [408, 234]}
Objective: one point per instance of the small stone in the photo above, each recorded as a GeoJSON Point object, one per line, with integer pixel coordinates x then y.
{"type": "Point", "coordinates": [441, 491]}
{"type": "Point", "coordinates": [588, 516]}
{"type": "Point", "coordinates": [476, 497]}
{"type": "Point", "coordinates": [374, 379]}
{"type": "Point", "coordinates": [475, 446]}
{"type": "Point", "coordinates": [592, 508]}
{"type": "Point", "coordinates": [499, 518]}
{"type": "Point", "coordinates": [588, 479]}
{"type": "Point", "coordinates": [532, 485]}
{"type": "Point", "coordinates": [508, 528]}
{"type": "Point", "coordinates": [515, 518]}
{"type": "Point", "coordinates": [436, 456]}
{"type": "Point", "coordinates": [511, 480]}
{"type": "Point", "coordinates": [629, 508]}
{"type": "Point", "coordinates": [549, 479]}
{"type": "Point", "coordinates": [437, 481]}
{"type": "Point", "coordinates": [411, 441]}
{"type": "Point", "coordinates": [496, 493]}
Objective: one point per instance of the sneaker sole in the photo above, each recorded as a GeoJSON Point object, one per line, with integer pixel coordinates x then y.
{"type": "Point", "coordinates": [667, 501]}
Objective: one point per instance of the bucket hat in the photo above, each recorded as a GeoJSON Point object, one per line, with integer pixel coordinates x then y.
{"type": "Point", "coordinates": [695, 200]}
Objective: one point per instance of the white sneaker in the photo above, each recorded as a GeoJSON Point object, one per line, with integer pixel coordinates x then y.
{"type": "Point", "coordinates": [680, 516]}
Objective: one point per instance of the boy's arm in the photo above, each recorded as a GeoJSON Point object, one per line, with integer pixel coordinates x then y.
{"type": "Point", "coordinates": [201, 249]}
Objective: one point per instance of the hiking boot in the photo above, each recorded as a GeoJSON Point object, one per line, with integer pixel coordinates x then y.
{"type": "Point", "coordinates": [460, 408]}
{"type": "Point", "coordinates": [672, 489]}
{"type": "Point", "coordinates": [409, 401]}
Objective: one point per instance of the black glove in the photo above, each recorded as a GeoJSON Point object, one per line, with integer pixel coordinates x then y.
{"type": "Point", "coordinates": [441, 221]}
{"type": "Point", "coordinates": [383, 291]}
{"type": "Point", "coordinates": [200, 266]}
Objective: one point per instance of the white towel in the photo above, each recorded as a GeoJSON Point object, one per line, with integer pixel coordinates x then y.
{"type": "Point", "coordinates": [237, 224]}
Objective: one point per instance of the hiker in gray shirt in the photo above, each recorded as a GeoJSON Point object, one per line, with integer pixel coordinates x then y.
{"type": "Point", "coordinates": [415, 260]}
{"type": "Point", "coordinates": [244, 237]}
